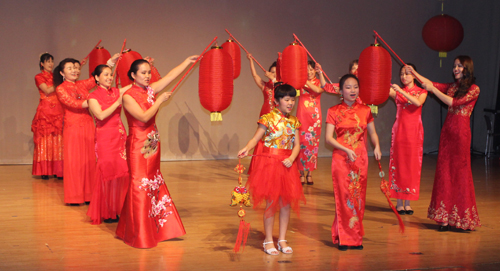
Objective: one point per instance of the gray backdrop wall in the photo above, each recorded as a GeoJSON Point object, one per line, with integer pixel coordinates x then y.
{"type": "Point", "coordinates": [335, 32]}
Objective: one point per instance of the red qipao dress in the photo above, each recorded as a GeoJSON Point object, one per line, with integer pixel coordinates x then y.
{"type": "Point", "coordinates": [270, 180]}
{"type": "Point", "coordinates": [405, 164]}
{"type": "Point", "coordinates": [112, 178]}
{"type": "Point", "coordinates": [349, 178]}
{"type": "Point", "coordinates": [47, 128]}
{"type": "Point", "coordinates": [309, 114]}
{"type": "Point", "coordinates": [453, 199]}
{"type": "Point", "coordinates": [78, 134]}
{"type": "Point", "coordinates": [267, 107]}
{"type": "Point", "coordinates": [149, 215]}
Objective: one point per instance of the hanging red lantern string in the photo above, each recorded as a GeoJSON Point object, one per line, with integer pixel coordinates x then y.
{"type": "Point", "coordinates": [234, 51]}
{"type": "Point", "coordinates": [192, 65]}
{"type": "Point", "coordinates": [98, 56]}
{"type": "Point", "coordinates": [231, 35]}
{"type": "Point", "coordinates": [374, 72]}
{"type": "Point", "coordinates": [385, 188]}
{"type": "Point", "coordinates": [216, 82]}
{"type": "Point", "coordinates": [93, 48]}
{"type": "Point", "coordinates": [240, 196]}
{"type": "Point", "coordinates": [123, 66]}
{"type": "Point", "coordinates": [297, 38]}
{"type": "Point", "coordinates": [294, 66]}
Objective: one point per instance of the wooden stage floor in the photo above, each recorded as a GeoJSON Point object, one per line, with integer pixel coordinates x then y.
{"type": "Point", "coordinates": [38, 232]}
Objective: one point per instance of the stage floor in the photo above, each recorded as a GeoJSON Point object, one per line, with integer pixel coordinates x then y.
{"type": "Point", "coordinates": [38, 232]}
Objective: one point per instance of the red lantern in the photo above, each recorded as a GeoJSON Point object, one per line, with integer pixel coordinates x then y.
{"type": "Point", "coordinates": [443, 33]}
{"type": "Point", "coordinates": [128, 57]}
{"type": "Point", "coordinates": [374, 70]}
{"type": "Point", "coordinates": [98, 56]}
{"type": "Point", "coordinates": [294, 66]}
{"type": "Point", "coordinates": [216, 82]}
{"type": "Point", "coordinates": [234, 51]}
{"type": "Point", "coordinates": [278, 68]}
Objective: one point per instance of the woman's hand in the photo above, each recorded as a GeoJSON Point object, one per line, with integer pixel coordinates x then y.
{"type": "Point", "coordinates": [249, 56]}
{"type": "Point", "coordinates": [164, 97]}
{"type": "Point", "coordinates": [428, 86]}
{"type": "Point", "coordinates": [150, 60]}
{"type": "Point", "coordinates": [243, 152]}
{"type": "Point", "coordinates": [318, 68]}
{"type": "Point", "coordinates": [396, 88]}
{"type": "Point", "coordinates": [287, 162]}
{"type": "Point", "coordinates": [377, 153]}
{"type": "Point", "coordinates": [351, 155]}
{"type": "Point", "coordinates": [192, 59]}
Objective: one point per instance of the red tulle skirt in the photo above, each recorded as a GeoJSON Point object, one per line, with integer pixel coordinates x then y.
{"type": "Point", "coordinates": [256, 151]}
{"type": "Point", "coordinates": [271, 181]}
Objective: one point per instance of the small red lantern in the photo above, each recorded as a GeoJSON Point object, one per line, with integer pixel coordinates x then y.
{"type": "Point", "coordinates": [234, 51]}
{"type": "Point", "coordinates": [128, 57]}
{"type": "Point", "coordinates": [443, 33]}
{"type": "Point", "coordinates": [216, 82]}
{"type": "Point", "coordinates": [98, 56]}
{"type": "Point", "coordinates": [374, 70]}
{"type": "Point", "coordinates": [294, 66]}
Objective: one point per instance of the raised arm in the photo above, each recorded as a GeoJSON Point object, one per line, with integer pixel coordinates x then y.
{"type": "Point", "coordinates": [313, 87]}
{"type": "Point", "coordinates": [136, 111]}
{"type": "Point", "coordinates": [260, 83]}
{"type": "Point", "coordinates": [162, 83]}
{"type": "Point", "coordinates": [332, 88]}
{"type": "Point", "coordinates": [374, 137]}
{"type": "Point", "coordinates": [417, 101]}
{"type": "Point", "coordinates": [261, 130]}
{"type": "Point", "coordinates": [429, 86]}
{"type": "Point", "coordinates": [321, 77]}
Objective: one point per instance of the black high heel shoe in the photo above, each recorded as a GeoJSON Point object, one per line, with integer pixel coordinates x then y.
{"type": "Point", "coordinates": [444, 228]}
{"type": "Point", "coordinates": [408, 212]}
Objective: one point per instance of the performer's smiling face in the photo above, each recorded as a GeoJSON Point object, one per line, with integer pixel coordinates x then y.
{"type": "Point", "coordinates": [47, 65]}
{"type": "Point", "coordinates": [354, 69]}
{"type": "Point", "coordinates": [105, 78]}
{"type": "Point", "coordinates": [350, 90]}
{"type": "Point", "coordinates": [311, 73]}
{"type": "Point", "coordinates": [143, 75]}
{"type": "Point", "coordinates": [458, 69]}
{"type": "Point", "coordinates": [78, 70]}
{"type": "Point", "coordinates": [69, 72]}
{"type": "Point", "coordinates": [286, 104]}
{"type": "Point", "coordinates": [406, 77]}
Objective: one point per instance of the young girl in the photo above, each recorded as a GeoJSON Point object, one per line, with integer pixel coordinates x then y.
{"type": "Point", "coordinates": [453, 200]}
{"type": "Point", "coordinates": [405, 163]}
{"type": "Point", "coordinates": [275, 176]}
{"type": "Point", "coordinates": [350, 121]}
{"type": "Point", "coordinates": [112, 176]}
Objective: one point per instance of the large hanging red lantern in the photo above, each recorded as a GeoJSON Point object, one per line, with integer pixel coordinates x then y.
{"type": "Point", "coordinates": [128, 57]}
{"type": "Point", "coordinates": [98, 56]}
{"type": "Point", "coordinates": [294, 66]}
{"type": "Point", "coordinates": [443, 33]}
{"type": "Point", "coordinates": [216, 82]}
{"type": "Point", "coordinates": [234, 51]}
{"type": "Point", "coordinates": [374, 70]}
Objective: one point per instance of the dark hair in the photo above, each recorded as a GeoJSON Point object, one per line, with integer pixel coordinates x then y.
{"type": "Point", "coordinates": [413, 66]}
{"type": "Point", "coordinates": [311, 63]}
{"type": "Point", "coordinates": [272, 65]}
{"type": "Point", "coordinates": [98, 70]}
{"type": "Point", "coordinates": [44, 57]}
{"type": "Point", "coordinates": [355, 61]}
{"type": "Point", "coordinates": [344, 78]}
{"type": "Point", "coordinates": [58, 78]}
{"type": "Point", "coordinates": [468, 78]}
{"type": "Point", "coordinates": [283, 90]}
{"type": "Point", "coordinates": [135, 67]}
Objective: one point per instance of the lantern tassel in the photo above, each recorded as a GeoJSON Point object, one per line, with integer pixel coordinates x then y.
{"type": "Point", "coordinates": [384, 187]}
{"type": "Point", "coordinates": [216, 116]}
{"type": "Point", "coordinates": [394, 53]}
{"type": "Point", "coordinates": [190, 68]}
{"type": "Point", "coordinates": [243, 231]}
{"type": "Point", "coordinates": [85, 59]}
{"type": "Point", "coordinates": [297, 38]}
{"type": "Point", "coordinates": [118, 61]}
{"type": "Point", "coordinates": [231, 35]}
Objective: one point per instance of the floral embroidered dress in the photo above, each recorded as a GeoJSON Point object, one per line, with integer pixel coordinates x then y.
{"type": "Point", "coordinates": [453, 199]}
{"type": "Point", "coordinates": [405, 162]}
{"type": "Point", "coordinates": [309, 114]}
{"type": "Point", "coordinates": [47, 128]}
{"type": "Point", "coordinates": [270, 180]}
{"type": "Point", "coordinates": [112, 176]}
{"type": "Point", "coordinates": [78, 134]}
{"type": "Point", "coordinates": [349, 178]}
{"type": "Point", "coordinates": [149, 215]}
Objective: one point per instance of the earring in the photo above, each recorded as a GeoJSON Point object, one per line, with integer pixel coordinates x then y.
{"type": "Point", "coordinates": [64, 79]}
{"type": "Point", "coordinates": [341, 96]}
{"type": "Point", "coordinates": [97, 82]}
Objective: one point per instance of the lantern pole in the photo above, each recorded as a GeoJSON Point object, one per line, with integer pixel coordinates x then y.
{"type": "Point", "coordinates": [93, 48]}
{"type": "Point", "coordinates": [231, 35]}
{"type": "Point", "coordinates": [118, 61]}
{"type": "Point", "coordinates": [199, 57]}
{"type": "Point", "coordinates": [404, 64]}
{"type": "Point", "coordinates": [295, 36]}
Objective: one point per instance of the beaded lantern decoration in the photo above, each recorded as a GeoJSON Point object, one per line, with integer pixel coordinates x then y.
{"type": "Point", "coordinates": [240, 196]}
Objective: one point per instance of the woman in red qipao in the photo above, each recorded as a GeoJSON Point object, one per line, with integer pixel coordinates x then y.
{"type": "Point", "coordinates": [350, 120]}
{"type": "Point", "coordinates": [267, 89]}
{"type": "Point", "coordinates": [453, 201]}
{"type": "Point", "coordinates": [112, 176]}
{"type": "Point", "coordinates": [78, 133]}
{"type": "Point", "coordinates": [149, 215]}
{"type": "Point", "coordinates": [405, 164]}
{"type": "Point", "coordinates": [47, 125]}
{"type": "Point", "coordinates": [309, 114]}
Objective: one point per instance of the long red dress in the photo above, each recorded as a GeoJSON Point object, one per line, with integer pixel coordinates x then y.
{"type": "Point", "coordinates": [149, 215]}
{"type": "Point", "coordinates": [270, 180]}
{"type": "Point", "coordinates": [112, 178]}
{"type": "Point", "coordinates": [349, 178]}
{"type": "Point", "coordinates": [309, 114]}
{"type": "Point", "coordinates": [78, 134]}
{"type": "Point", "coordinates": [453, 199]}
{"type": "Point", "coordinates": [405, 164]}
{"type": "Point", "coordinates": [47, 128]}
